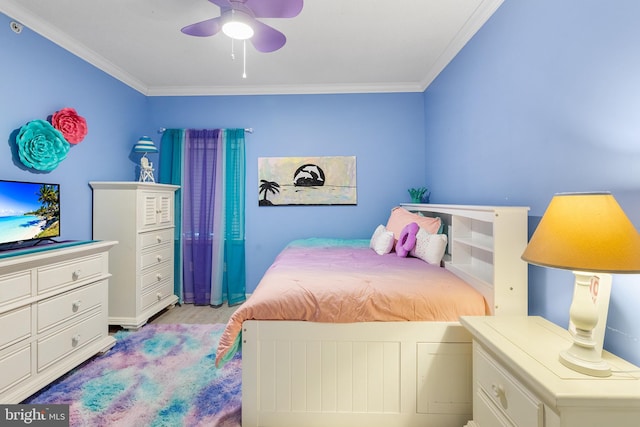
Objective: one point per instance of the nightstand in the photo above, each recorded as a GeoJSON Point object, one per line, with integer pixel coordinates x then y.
{"type": "Point", "coordinates": [519, 381]}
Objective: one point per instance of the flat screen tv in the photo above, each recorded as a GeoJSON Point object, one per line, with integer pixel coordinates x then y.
{"type": "Point", "coordinates": [29, 213]}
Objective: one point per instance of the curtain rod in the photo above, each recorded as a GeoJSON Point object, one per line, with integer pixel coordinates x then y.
{"type": "Point", "coordinates": [248, 130]}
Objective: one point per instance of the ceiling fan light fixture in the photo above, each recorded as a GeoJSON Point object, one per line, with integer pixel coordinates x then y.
{"type": "Point", "coordinates": [237, 25]}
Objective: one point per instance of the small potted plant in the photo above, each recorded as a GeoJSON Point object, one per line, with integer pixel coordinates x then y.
{"type": "Point", "coordinates": [419, 195]}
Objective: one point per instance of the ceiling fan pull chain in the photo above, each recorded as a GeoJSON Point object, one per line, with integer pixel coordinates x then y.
{"type": "Point", "coordinates": [244, 59]}
{"type": "Point", "coordinates": [233, 55]}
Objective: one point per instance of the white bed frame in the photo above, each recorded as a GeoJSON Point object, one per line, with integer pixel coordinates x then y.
{"type": "Point", "coordinates": [387, 373]}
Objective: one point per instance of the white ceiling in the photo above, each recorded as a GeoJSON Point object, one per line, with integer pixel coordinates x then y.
{"type": "Point", "coordinates": [333, 46]}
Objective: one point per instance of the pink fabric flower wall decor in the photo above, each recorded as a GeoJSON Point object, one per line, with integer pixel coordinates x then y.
{"type": "Point", "coordinates": [72, 126]}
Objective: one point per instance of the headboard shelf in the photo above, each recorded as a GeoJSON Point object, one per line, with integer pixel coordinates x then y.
{"type": "Point", "coordinates": [485, 245]}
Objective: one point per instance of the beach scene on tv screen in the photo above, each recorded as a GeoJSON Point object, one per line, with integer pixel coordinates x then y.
{"type": "Point", "coordinates": [28, 211]}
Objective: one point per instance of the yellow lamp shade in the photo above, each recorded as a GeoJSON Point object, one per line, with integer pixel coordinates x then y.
{"type": "Point", "coordinates": [585, 231]}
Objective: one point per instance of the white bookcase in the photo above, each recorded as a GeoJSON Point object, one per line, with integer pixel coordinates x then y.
{"type": "Point", "coordinates": [485, 245]}
{"type": "Point", "coordinates": [141, 217]}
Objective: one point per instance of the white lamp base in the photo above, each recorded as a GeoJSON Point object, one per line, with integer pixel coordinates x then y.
{"type": "Point", "coordinates": [584, 355]}
{"type": "Point", "coordinates": [595, 369]}
{"type": "Point", "coordinates": [146, 170]}
{"type": "Point", "coordinates": [146, 176]}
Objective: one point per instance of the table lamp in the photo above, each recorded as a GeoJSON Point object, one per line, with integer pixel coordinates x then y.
{"type": "Point", "coordinates": [145, 145]}
{"type": "Point", "coordinates": [589, 234]}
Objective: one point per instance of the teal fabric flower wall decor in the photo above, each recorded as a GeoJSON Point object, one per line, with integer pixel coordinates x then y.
{"type": "Point", "coordinates": [41, 146]}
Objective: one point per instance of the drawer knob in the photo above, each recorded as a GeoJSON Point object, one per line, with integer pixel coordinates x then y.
{"type": "Point", "coordinates": [76, 274]}
{"type": "Point", "coordinates": [159, 296]}
{"type": "Point", "coordinates": [158, 277]}
{"type": "Point", "coordinates": [498, 390]}
{"type": "Point", "coordinates": [75, 340]}
{"type": "Point", "coordinates": [159, 258]}
{"type": "Point", "coordinates": [159, 239]}
{"type": "Point", "coordinates": [75, 306]}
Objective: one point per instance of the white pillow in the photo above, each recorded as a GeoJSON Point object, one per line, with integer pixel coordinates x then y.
{"type": "Point", "coordinates": [382, 240]}
{"type": "Point", "coordinates": [429, 247]}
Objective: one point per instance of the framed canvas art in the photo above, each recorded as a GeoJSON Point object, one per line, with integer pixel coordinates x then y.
{"type": "Point", "coordinates": [286, 181]}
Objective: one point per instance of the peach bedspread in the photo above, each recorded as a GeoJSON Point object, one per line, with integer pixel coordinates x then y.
{"type": "Point", "coordinates": [344, 281]}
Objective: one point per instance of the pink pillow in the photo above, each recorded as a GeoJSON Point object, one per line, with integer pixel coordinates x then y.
{"type": "Point", "coordinates": [407, 240]}
{"type": "Point", "coordinates": [400, 217]}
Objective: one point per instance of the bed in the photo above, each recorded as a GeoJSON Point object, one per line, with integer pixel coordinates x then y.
{"type": "Point", "coordinates": [400, 357]}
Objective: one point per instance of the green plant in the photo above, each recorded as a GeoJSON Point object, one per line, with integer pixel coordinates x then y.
{"type": "Point", "coordinates": [418, 194]}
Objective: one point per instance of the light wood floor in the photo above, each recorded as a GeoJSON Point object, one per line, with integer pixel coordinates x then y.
{"type": "Point", "coordinates": [189, 313]}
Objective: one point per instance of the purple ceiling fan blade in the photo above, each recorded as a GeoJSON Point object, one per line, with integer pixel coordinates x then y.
{"type": "Point", "coordinates": [273, 8]}
{"type": "Point", "coordinates": [205, 28]}
{"type": "Point", "coordinates": [224, 4]}
{"type": "Point", "coordinates": [266, 38]}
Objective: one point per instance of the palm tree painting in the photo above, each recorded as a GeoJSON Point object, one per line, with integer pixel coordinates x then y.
{"type": "Point", "coordinates": [267, 187]}
{"type": "Point", "coordinates": [286, 181]}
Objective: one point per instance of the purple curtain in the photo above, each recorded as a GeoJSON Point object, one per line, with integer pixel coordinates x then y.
{"type": "Point", "coordinates": [201, 155]}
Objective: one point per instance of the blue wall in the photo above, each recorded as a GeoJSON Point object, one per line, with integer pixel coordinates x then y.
{"type": "Point", "coordinates": [37, 79]}
{"type": "Point", "coordinates": [384, 131]}
{"type": "Point", "coordinates": [545, 99]}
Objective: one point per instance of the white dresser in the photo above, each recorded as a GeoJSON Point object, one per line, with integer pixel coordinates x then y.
{"type": "Point", "coordinates": [141, 217]}
{"type": "Point", "coordinates": [519, 381]}
{"type": "Point", "coordinates": [53, 314]}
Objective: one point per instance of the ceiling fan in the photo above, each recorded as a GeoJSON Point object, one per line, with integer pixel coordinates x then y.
{"type": "Point", "coordinates": [238, 19]}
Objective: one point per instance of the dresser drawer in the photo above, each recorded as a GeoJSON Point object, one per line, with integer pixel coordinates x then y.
{"type": "Point", "coordinates": [155, 238]}
{"type": "Point", "coordinates": [157, 294]}
{"type": "Point", "coordinates": [56, 310]}
{"type": "Point", "coordinates": [15, 326]}
{"type": "Point", "coordinates": [157, 257]}
{"type": "Point", "coordinates": [156, 276]}
{"type": "Point", "coordinates": [15, 367]}
{"type": "Point", "coordinates": [485, 413]}
{"type": "Point", "coordinates": [67, 273]}
{"type": "Point", "coordinates": [64, 342]}
{"type": "Point", "coordinates": [505, 392]}
{"type": "Point", "coordinates": [15, 287]}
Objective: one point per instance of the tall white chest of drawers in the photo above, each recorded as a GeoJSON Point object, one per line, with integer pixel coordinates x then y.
{"type": "Point", "coordinates": [141, 217]}
{"type": "Point", "coordinates": [53, 313]}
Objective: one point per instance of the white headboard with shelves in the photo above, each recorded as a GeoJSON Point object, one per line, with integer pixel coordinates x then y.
{"type": "Point", "coordinates": [484, 249]}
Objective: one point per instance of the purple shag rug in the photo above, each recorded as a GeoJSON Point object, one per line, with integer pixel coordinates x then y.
{"type": "Point", "coordinates": [160, 375]}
